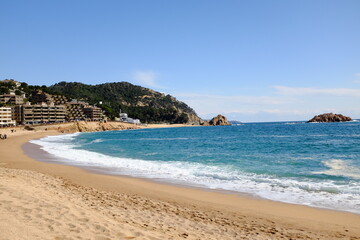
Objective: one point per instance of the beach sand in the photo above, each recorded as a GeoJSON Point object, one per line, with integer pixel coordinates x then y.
{"type": "Point", "coordinates": [41, 200]}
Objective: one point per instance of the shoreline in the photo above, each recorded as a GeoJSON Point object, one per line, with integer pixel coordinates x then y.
{"type": "Point", "coordinates": [35, 152]}
{"type": "Point", "coordinates": [123, 171]}
{"type": "Point", "coordinates": [246, 217]}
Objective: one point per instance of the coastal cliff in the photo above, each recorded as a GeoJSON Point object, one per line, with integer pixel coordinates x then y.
{"type": "Point", "coordinates": [83, 126]}
{"type": "Point", "coordinates": [330, 117]}
{"type": "Point", "coordinates": [219, 120]}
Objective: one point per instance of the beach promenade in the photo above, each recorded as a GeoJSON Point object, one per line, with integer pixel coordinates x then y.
{"type": "Point", "coordinates": [41, 200]}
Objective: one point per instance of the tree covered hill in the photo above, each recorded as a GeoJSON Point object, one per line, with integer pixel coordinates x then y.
{"type": "Point", "coordinates": [139, 102]}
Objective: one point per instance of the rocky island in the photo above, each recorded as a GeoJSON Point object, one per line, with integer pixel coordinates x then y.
{"type": "Point", "coordinates": [330, 117]}
{"type": "Point", "coordinates": [219, 120]}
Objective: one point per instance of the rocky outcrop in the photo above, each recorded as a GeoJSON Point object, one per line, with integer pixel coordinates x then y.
{"type": "Point", "coordinates": [219, 120]}
{"type": "Point", "coordinates": [330, 117]}
{"type": "Point", "coordinates": [90, 127]}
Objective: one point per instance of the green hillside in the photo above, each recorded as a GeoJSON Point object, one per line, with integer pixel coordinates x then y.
{"type": "Point", "coordinates": [139, 102]}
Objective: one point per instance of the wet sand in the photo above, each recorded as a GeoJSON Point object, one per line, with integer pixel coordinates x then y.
{"type": "Point", "coordinates": [41, 200]}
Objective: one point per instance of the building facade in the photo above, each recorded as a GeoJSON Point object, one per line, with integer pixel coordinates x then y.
{"type": "Point", "coordinates": [40, 113]}
{"type": "Point", "coordinates": [93, 113]}
{"type": "Point", "coordinates": [79, 111]}
{"type": "Point", "coordinates": [124, 118]}
{"type": "Point", "coordinates": [6, 117]}
{"type": "Point", "coordinates": [11, 99]}
{"type": "Point", "coordinates": [39, 96]}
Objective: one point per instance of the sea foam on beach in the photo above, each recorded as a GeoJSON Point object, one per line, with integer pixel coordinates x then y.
{"type": "Point", "coordinates": [311, 164]}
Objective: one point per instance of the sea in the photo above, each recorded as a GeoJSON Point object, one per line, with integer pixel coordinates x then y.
{"type": "Point", "coordinates": [314, 164]}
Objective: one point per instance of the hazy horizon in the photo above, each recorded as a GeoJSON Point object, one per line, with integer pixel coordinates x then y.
{"type": "Point", "coordinates": [252, 61]}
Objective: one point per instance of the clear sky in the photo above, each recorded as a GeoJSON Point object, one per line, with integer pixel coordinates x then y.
{"type": "Point", "coordinates": [250, 60]}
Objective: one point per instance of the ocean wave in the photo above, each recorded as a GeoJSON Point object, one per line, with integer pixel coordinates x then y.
{"type": "Point", "coordinates": [61, 139]}
{"type": "Point", "coordinates": [162, 139]}
{"type": "Point", "coordinates": [293, 123]}
{"type": "Point", "coordinates": [340, 168]}
{"type": "Point", "coordinates": [313, 192]}
{"type": "Point", "coordinates": [277, 136]}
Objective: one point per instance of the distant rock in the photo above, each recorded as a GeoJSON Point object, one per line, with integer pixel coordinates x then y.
{"type": "Point", "coordinates": [330, 117]}
{"type": "Point", "coordinates": [219, 120]}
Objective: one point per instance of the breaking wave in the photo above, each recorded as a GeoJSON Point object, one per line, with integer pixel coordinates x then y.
{"type": "Point", "coordinates": [313, 192]}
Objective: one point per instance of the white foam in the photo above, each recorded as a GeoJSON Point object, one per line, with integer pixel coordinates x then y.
{"type": "Point", "coordinates": [319, 193]}
{"type": "Point", "coordinates": [338, 167]}
{"type": "Point", "coordinates": [293, 123]}
{"type": "Point", "coordinates": [162, 139]}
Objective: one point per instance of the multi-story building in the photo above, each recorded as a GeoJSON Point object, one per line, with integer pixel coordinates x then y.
{"type": "Point", "coordinates": [11, 99]}
{"type": "Point", "coordinates": [79, 110]}
{"type": "Point", "coordinates": [6, 117]}
{"type": "Point", "coordinates": [75, 110]}
{"type": "Point", "coordinates": [40, 113]}
{"type": "Point", "coordinates": [93, 113]}
{"type": "Point", "coordinates": [39, 97]}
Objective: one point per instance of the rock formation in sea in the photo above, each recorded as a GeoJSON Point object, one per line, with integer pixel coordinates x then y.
{"type": "Point", "coordinates": [330, 117]}
{"type": "Point", "coordinates": [219, 120]}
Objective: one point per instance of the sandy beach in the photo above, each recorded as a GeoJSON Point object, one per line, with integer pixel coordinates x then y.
{"type": "Point", "coordinates": [41, 200]}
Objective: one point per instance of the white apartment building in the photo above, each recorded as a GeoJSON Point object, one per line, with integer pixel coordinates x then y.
{"type": "Point", "coordinates": [5, 116]}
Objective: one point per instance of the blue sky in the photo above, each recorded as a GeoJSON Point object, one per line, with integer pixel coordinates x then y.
{"type": "Point", "coordinates": [249, 60]}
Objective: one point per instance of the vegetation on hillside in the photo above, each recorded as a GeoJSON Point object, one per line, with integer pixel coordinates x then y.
{"type": "Point", "coordinates": [10, 86]}
{"type": "Point", "coordinates": [139, 102]}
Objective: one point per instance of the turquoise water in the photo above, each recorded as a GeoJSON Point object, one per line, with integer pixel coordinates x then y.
{"type": "Point", "coordinates": [311, 164]}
